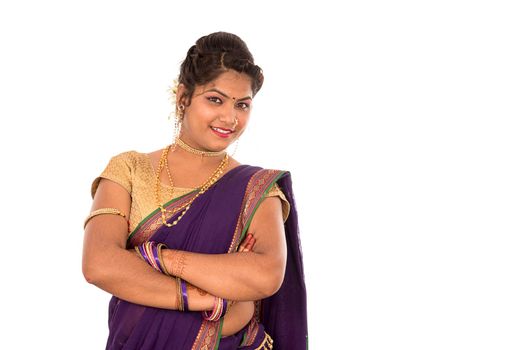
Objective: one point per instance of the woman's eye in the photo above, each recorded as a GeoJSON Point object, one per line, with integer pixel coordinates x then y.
{"type": "Point", "coordinates": [214, 99]}
{"type": "Point", "coordinates": [243, 106]}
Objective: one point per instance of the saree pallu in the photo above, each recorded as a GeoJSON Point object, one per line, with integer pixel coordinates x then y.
{"type": "Point", "coordinates": [216, 224]}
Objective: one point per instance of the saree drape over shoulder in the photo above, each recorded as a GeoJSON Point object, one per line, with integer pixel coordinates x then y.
{"type": "Point", "coordinates": [216, 224]}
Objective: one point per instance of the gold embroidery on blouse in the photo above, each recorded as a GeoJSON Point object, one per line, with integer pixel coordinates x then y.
{"type": "Point", "coordinates": [134, 172]}
{"type": "Point", "coordinates": [275, 191]}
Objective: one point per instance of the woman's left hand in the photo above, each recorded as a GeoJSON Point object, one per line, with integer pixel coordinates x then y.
{"type": "Point", "coordinates": [247, 244]}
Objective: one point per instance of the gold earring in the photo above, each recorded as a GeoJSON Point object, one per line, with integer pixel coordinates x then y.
{"type": "Point", "coordinates": [179, 115]}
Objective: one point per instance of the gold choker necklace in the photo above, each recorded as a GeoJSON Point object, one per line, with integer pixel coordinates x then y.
{"type": "Point", "coordinates": [163, 163]}
{"type": "Point", "coordinates": [190, 149]}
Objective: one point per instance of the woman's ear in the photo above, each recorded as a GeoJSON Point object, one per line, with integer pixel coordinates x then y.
{"type": "Point", "coordinates": [181, 95]}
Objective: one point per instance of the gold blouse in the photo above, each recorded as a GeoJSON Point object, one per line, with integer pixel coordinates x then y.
{"type": "Point", "coordinates": [134, 172]}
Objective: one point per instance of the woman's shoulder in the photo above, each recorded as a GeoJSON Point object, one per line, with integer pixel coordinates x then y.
{"type": "Point", "coordinates": [128, 156]}
{"type": "Point", "coordinates": [132, 159]}
{"type": "Point", "coordinates": [263, 183]}
{"type": "Point", "coordinates": [124, 168]}
{"type": "Point", "coordinates": [263, 177]}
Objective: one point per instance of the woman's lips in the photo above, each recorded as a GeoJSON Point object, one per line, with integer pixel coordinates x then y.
{"type": "Point", "coordinates": [222, 135]}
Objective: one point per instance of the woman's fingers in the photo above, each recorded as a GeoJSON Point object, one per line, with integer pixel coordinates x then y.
{"type": "Point", "coordinates": [242, 246]}
{"type": "Point", "coordinates": [247, 243]}
{"type": "Point", "coordinates": [244, 242]}
{"type": "Point", "coordinates": [250, 244]}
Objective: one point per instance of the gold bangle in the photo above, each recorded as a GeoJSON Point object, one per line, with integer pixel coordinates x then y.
{"type": "Point", "coordinates": [101, 211]}
{"type": "Point", "coordinates": [161, 259]}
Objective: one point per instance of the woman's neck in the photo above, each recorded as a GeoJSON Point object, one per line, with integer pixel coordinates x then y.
{"type": "Point", "coordinates": [189, 147]}
{"type": "Point", "coordinates": [186, 154]}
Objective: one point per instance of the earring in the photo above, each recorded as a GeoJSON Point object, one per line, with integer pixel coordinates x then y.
{"type": "Point", "coordinates": [235, 148]}
{"type": "Point", "coordinates": [179, 115]}
{"type": "Point", "coordinates": [236, 141]}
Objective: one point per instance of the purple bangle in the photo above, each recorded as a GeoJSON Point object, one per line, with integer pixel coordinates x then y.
{"type": "Point", "coordinates": [143, 252]}
{"type": "Point", "coordinates": [224, 308]}
{"type": "Point", "coordinates": [184, 294]}
{"type": "Point", "coordinates": [154, 246]}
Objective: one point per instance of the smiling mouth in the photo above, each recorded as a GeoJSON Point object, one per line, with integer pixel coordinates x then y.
{"type": "Point", "coordinates": [222, 131]}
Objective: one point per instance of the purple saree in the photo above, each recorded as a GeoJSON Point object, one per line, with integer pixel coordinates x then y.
{"type": "Point", "coordinates": [216, 224]}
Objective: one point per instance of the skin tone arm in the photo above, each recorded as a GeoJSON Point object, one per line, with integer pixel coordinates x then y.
{"type": "Point", "coordinates": [240, 313]}
{"type": "Point", "coordinates": [107, 264]}
{"type": "Point", "coordinates": [239, 276]}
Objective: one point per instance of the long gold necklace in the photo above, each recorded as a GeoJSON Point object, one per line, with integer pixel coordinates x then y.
{"type": "Point", "coordinates": [203, 188]}
{"type": "Point", "coordinates": [190, 149]}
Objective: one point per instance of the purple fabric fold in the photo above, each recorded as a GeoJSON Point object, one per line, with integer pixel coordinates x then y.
{"type": "Point", "coordinates": [208, 227]}
{"type": "Point", "coordinates": [284, 314]}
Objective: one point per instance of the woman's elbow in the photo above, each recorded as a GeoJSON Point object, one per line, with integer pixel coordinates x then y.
{"type": "Point", "coordinates": [90, 273]}
{"type": "Point", "coordinates": [272, 282]}
{"type": "Point", "coordinates": [100, 265]}
{"type": "Point", "coordinates": [93, 272]}
{"type": "Point", "coordinates": [271, 288]}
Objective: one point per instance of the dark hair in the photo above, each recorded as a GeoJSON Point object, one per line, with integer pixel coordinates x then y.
{"type": "Point", "coordinates": [214, 54]}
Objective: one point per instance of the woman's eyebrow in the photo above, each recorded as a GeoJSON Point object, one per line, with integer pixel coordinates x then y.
{"type": "Point", "coordinates": [226, 96]}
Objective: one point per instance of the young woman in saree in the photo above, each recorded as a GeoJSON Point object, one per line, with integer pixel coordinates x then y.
{"type": "Point", "coordinates": [198, 250]}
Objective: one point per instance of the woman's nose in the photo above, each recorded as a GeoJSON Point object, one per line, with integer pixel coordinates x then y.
{"type": "Point", "coordinates": [229, 116]}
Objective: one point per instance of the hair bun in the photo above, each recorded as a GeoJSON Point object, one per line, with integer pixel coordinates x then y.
{"type": "Point", "coordinates": [212, 55]}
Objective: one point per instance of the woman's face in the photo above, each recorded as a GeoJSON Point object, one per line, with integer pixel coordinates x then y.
{"type": "Point", "coordinates": [218, 113]}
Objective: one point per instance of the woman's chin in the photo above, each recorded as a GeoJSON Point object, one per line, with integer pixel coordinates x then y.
{"type": "Point", "coordinates": [219, 145]}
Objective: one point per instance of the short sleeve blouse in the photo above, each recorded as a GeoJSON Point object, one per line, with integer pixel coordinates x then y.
{"type": "Point", "coordinates": [134, 172]}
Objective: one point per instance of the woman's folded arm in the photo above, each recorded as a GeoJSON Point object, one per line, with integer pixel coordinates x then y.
{"type": "Point", "coordinates": [107, 264]}
{"type": "Point", "coordinates": [240, 276]}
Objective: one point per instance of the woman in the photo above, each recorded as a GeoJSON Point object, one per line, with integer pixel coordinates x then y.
{"type": "Point", "coordinates": [199, 251]}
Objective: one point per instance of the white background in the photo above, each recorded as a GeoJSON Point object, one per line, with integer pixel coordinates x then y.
{"type": "Point", "coordinates": [400, 121]}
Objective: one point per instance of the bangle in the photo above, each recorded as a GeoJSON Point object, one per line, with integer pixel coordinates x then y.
{"type": "Point", "coordinates": [150, 255]}
{"type": "Point", "coordinates": [101, 211]}
{"type": "Point", "coordinates": [137, 249]}
{"type": "Point", "coordinates": [140, 249]}
{"type": "Point", "coordinates": [160, 259]}
{"type": "Point", "coordinates": [183, 287]}
{"type": "Point", "coordinates": [179, 297]}
{"type": "Point", "coordinates": [219, 310]}
{"type": "Point", "coordinates": [151, 252]}
{"type": "Point", "coordinates": [156, 259]}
